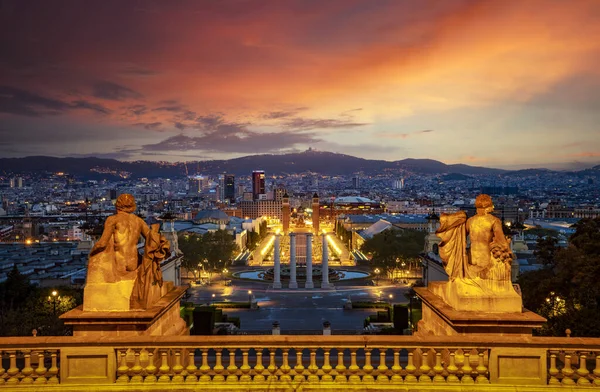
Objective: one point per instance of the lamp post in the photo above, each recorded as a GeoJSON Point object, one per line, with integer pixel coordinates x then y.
{"type": "Point", "coordinates": [377, 271]}
{"type": "Point", "coordinates": [53, 299]}
{"type": "Point", "coordinates": [249, 296]}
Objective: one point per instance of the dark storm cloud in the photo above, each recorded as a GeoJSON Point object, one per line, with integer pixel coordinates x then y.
{"type": "Point", "coordinates": [149, 126]}
{"type": "Point", "coordinates": [82, 104]}
{"type": "Point", "coordinates": [313, 123]}
{"type": "Point", "coordinates": [114, 92]}
{"type": "Point", "coordinates": [24, 103]}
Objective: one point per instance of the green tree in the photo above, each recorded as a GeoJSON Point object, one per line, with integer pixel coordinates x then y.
{"type": "Point", "coordinates": [566, 290]}
{"type": "Point", "coordinates": [213, 251]}
{"type": "Point", "coordinates": [252, 240]}
{"type": "Point", "coordinates": [392, 244]}
{"type": "Point", "coordinates": [193, 249]}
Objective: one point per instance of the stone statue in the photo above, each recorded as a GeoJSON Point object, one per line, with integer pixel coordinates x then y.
{"type": "Point", "coordinates": [479, 276]}
{"type": "Point", "coordinates": [118, 278]}
{"type": "Point", "coordinates": [489, 256]}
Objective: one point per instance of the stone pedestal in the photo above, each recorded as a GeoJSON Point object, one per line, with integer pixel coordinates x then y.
{"type": "Point", "coordinates": [277, 262]}
{"type": "Point", "coordinates": [161, 319]}
{"type": "Point", "coordinates": [440, 318]}
{"type": "Point", "coordinates": [309, 278]}
{"type": "Point", "coordinates": [293, 282]}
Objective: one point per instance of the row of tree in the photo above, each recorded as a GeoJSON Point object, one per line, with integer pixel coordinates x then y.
{"type": "Point", "coordinates": [393, 246]}
{"type": "Point", "coordinates": [211, 252]}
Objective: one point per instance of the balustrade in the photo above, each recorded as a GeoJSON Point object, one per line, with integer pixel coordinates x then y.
{"type": "Point", "coordinates": [302, 360]}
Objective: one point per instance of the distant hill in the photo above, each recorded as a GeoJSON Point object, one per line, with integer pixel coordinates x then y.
{"type": "Point", "coordinates": [326, 163]}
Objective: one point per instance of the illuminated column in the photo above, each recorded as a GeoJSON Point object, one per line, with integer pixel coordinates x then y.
{"type": "Point", "coordinates": [277, 263]}
{"type": "Point", "coordinates": [309, 282]}
{"type": "Point", "coordinates": [293, 282]}
{"type": "Point", "coordinates": [325, 264]}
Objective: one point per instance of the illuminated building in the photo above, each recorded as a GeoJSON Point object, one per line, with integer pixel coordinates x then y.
{"type": "Point", "coordinates": [258, 184]}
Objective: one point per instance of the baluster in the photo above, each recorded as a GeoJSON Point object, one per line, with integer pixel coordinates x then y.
{"type": "Point", "coordinates": [53, 371]}
{"type": "Point", "coordinates": [482, 371]}
{"type": "Point", "coordinates": [353, 368]}
{"type": "Point", "coordinates": [396, 368]}
{"type": "Point", "coordinates": [123, 369]}
{"type": "Point", "coordinates": [424, 369]}
{"type": "Point", "coordinates": [285, 367]}
{"type": "Point", "coordinates": [382, 368]}
{"type": "Point", "coordinates": [177, 368]}
{"type": "Point", "coordinates": [299, 368]}
{"type": "Point", "coordinates": [340, 368]}
{"type": "Point", "coordinates": [567, 371]}
{"type": "Point", "coordinates": [232, 368]}
{"type": "Point", "coordinates": [151, 369]}
{"type": "Point", "coordinates": [466, 368]}
{"type": "Point", "coordinates": [27, 370]}
{"type": "Point", "coordinates": [259, 369]}
{"type": "Point", "coordinates": [272, 368]}
{"type": "Point", "coordinates": [553, 371]}
{"type": "Point", "coordinates": [452, 368]}
{"type": "Point", "coordinates": [218, 368]}
{"type": "Point", "coordinates": [204, 368]}
{"type": "Point", "coordinates": [164, 368]}
{"type": "Point", "coordinates": [326, 368]}
{"type": "Point", "coordinates": [245, 368]}
{"type": "Point", "coordinates": [191, 367]}
{"type": "Point", "coordinates": [410, 367]}
{"type": "Point", "coordinates": [136, 370]}
{"type": "Point", "coordinates": [597, 370]}
{"type": "Point", "coordinates": [582, 372]}
{"type": "Point", "coordinates": [438, 368]}
{"type": "Point", "coordinates": [40, 371]}
{"type": "Point", "coordinates": [13, 370]}
{"type": "Point", "coordinates": [2, 370]}
{"type": "Point", "coordinates": [312, 367]}
{"type": "Point", "coordinates": [368, 368]}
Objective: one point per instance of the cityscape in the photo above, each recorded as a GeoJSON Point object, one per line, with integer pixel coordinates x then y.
{"type": "Point", "coordinates": [251, 195]}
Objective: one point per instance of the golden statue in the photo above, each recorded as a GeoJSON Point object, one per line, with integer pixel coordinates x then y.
{"type": "Point", "coordinates": [489, 256]}
{"type": "Point", "coordinates": [479, 276]}
{"type": "Point", "coordinates": [118, 277]}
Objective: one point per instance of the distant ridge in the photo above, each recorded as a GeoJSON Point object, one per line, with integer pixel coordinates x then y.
{"type": "Point", "coordinates": [326, 163]}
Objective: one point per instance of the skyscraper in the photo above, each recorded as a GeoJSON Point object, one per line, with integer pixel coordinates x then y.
{"type": "Point", "coordinates": [229, 191]}
{"type": "Point", "coordinates": [258, 183]}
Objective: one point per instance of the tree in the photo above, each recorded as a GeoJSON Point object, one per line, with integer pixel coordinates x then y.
{"type": "Point", "coordinates": [191, 245]}
{"type": "Point", "coordinates": [393, 244]}
{"type": "Point", "coordinates": [213, 250]}
{"type": "Point", "coordinates": [252, 240]}
{"type": "Point", "coordinates": [566, 290]}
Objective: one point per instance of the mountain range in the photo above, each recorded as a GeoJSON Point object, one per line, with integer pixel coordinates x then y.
{"type": "Point", "coordinates": [326, 163]}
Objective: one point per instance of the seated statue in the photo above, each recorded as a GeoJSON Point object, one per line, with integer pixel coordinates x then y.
{"type": "Point", "coordinates": [484, 268]}
{"type": "Point", "coordinates": [118, 277]}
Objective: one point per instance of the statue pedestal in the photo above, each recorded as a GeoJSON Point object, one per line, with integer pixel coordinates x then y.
{"type": "Point", "coordinates": [161, 319]}
{"type": "Point", "coordinates": [482, 317]}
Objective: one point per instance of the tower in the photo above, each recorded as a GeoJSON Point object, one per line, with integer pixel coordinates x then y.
{"type": "Point", "coordinates": [285, 213]}
{"type": "Point", "coordinates": [258, 183]}
{"type": "Point", "coordinates": [315, 212]}
{"type": "Point", "coordinates": [229, 187]}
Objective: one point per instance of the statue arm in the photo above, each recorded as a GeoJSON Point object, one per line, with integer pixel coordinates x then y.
{"type": "Point", "coordinates": [109, 227]}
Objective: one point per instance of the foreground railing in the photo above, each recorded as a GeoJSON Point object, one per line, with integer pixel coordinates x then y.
{"type": "Point", "coordinates": [246, 362]}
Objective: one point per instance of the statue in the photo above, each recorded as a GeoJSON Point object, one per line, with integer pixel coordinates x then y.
{"type": "Point", "coordinates": [483, 269]}
{"type": "Point", "coordinates": [118, 278]}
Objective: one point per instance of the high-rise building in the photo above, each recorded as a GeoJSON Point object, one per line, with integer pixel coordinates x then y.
{"type": "Point", "coordinates": [258, 183]}
{"type": "Point", "coordinates": [356, 183]}
{"type": "Point", "coordinates": [229, 187]}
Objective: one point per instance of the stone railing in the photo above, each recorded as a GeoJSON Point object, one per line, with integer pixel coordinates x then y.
{"type": "Point", "coordinates": [300, 362]}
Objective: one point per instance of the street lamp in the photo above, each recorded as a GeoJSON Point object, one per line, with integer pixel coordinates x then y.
{"type": "Point", "coordinates": [249, 296]}
{"type": "Point", "coordinates": [377, 271]}
{"type": "Point", "coordinates": [53, 299]}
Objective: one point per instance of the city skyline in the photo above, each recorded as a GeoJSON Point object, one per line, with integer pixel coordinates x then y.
{"type": "Point", "coordinates": [494, 84]}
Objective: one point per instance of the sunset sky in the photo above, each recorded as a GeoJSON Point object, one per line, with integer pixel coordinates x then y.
{"type": "Point", "coordinates": [497, 83]}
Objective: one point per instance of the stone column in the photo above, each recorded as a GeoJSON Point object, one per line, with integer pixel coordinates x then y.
{"type": "Point", "coordinates": [325, 264]}
{"type": "Point", "coordinates": [309, 282]}
{"type": "Point", "coordinates": [293, 282]}
{"type": "Point", "coordinates": [277, 263]}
